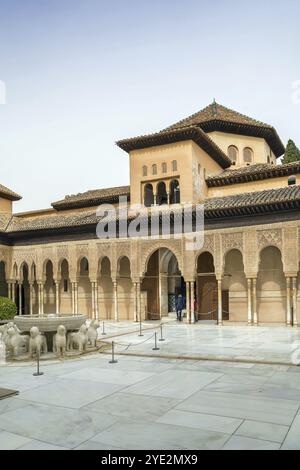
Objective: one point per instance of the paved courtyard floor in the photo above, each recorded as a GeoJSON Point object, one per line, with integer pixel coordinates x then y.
{"type": "Point", "coordinates": [150, 403]}
{"type": "Point", "coordinates": [265, 344]}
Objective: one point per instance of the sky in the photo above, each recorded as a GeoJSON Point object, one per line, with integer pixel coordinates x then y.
{"type": "Point", "coordinates": [81, 74]}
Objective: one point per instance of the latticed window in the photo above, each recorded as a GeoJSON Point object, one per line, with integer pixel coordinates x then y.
{"type": "Point", "coordinates": [174, 165]}
{"type": "Point", "coordinates": [154, 169]}
{"type": "Point", "coordinates": [233, 154]}
{"type": "Point", "coordinates": [164, 167]}
{"type": "Point", "coordinates": [248, 155]}
{"type": "Point", "coordinates": [145, 170]}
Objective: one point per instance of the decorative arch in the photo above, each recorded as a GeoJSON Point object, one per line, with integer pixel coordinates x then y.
{"type": "Point", "coordinates": [156, 246]}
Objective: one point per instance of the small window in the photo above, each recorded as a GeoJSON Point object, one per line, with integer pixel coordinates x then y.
{"type": "Point", "coordinates": [65, 285]}
{"type": "Point", "coordinates": [233, 154]}
{"type": "Point", "coordinates": [154, 169]}
{"type": "Point", "coordinates": [292, 180]}
{"type": "Point", "coordinates": [199, 169]}
{"type": "Point", "coordinates": [145, 170]}
{"type": "Point", "coordinates": [164, 167]}
{"type": "Point", "coordinates": [174, 165]}
{"type": "Point", "coordinates": [248, 155]}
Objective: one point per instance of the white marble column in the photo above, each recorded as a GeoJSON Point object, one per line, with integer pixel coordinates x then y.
{"type": "Point", "coordinates": [96, 301]}
{"type": "Point", "coordinates": [31, 298]}
{"type": "Point", "coordinates": [116, 306]}
{"type": "Point", "coordinates": [57, 284]}
{"type": "Point", "coordinates": [135, 317]}
{"type": "Point", "coordinates": [295, 316]}
{"type": "Point", "coordinates": [76, 297]}
{"type": "Point", "coordinates": [220, 308]}
{"type": "Point", "coordinates": [9, 289]}
{"type": "Point", "coordinates": [188, 308]}
{"type": "Point", "coordinates": [20, 298]}
{"type": "Point", "coordinates": [249, 295]}
{"type": "Point", "coordinates": [254, 297]}
{"type": "Point", "coordinates": [13, 291]}
{"type": "Point", "coordinates": [192, 302]}
{"type": "Point", "coordinates": [93, 300]}
{"type": "Point", "coordinates": [39, 298]}
{"type": "Point", "coordinates": [73, 297]}
{"type": "Point", "coordinates": [42, 298]}
{"type": "Point", "coordinates": [288, 301]}
{"type": "Point", "coordinates": [138, 301]}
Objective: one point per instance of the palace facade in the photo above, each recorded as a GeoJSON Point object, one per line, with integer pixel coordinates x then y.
{"type": "Point", "coordinates": [51, 261]}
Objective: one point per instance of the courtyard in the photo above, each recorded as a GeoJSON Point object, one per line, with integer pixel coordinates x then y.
{"type": "Point", "coordinates": [146, 402]}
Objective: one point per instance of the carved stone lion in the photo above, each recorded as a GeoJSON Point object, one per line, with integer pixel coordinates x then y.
{"type": "Point", "coordinates": [60, 341]}
{"type": "Point", "coordinates": [14, 341]}
{"type": "Point", "coordinates": [78, 339]}
{"type": "Point", "coordinates": [37, 342]}
{"type": "Point", "coordinates": [93, 333]}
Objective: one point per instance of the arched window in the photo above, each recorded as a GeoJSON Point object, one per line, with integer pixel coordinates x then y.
{"type": "Point", "coordinates": [164, 167]}
{"type": "Point", "coordinates": [174, 165]}
{"type": "Point", "coordinates": [154, 169]}
{"type": "Point", "coordinates": [233, 154]}
{"type": "Point", "coordinates": [248, 155]}
{"type": "Point", "coordinates": [148, 195]}
{"type": "Point", "coordinates": [174, 192]}
{"type": "Point", "coordinates": [161, 194]}
{"type": "Point", "coordinates": [145, 170]}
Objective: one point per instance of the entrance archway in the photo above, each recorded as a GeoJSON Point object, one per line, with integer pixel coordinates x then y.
{"type": "Point", "coordinates": [105, 286]}
{"type": "Point", "coordinates": [235, 286]}
{"type": "Point", "coordinates": [162, 283]}
{"type": "Point", "coordinates": [271, 287]}
{"type": "Point", "coordinates": [207, 288]}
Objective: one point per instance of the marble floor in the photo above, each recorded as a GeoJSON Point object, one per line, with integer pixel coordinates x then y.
{"type": "Point", "coordinates": [265, 344]}
{"type": "Point", "coordinates": [152, 403]}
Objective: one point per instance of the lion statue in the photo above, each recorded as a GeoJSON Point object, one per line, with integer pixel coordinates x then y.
{"type": "Point", "coordinates": [14, 341]}
{"type": "Point", "coordinates": [78, 339]}
{"type": "Point", "coordinates": [60, 341]}
{"type": "Point", "coordinates": [93, 333]}
{"type": "Point", "coordinates": [37, 342]}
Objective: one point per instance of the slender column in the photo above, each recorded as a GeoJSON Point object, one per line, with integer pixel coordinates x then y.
{"type": "Point", "coordinates": [254, 296]}
{"type": "Point", "coordinates": [249, 285]}
{"type": "Point", "coordinates": [9, 289]}
{"type": "Point", "coordinates": [220, 308]}
{"type": "Point", "coordinates": [188, 309]}
{"type": "Point", "coordinates": [39, 298]}
{"type": "Point", "coordinates": [13, 291]}
{"type": "Point", "coordinates": [42, 298]}
{"type": "Point", "coordinates": [192, 302]}
{"type": "Point", "coordinates": [295, 317]}
{"type": "Point", "coordinates": [288, 301]}
{"type": "Point", "coordinates": [30, 298]}
{"type": "Point", "coordinates": [57, 297]}
{"type": "Point", "coordinates": [20, 298]}
{"type": "Point", "coordinates": [93, 299]}
{"type": "Point", "coordinates": [168, 197]}
{"type": "Point", "coordinates": [73, 298]}
{"type": "Point", "coordinates": [76, 297]}
{"type": "Point", "coordinates": [116, 301]}
{"type": "Point", "coordinates": [135, 317]}
{"type": "Point", "coordinates": [96, 301]}
{"type": "Point", "coordinates": [138, 301]}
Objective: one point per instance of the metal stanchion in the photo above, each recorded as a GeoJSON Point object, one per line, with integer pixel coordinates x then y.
{"type": "Point", "coordinates": [156, 348]}
{"type": "Point", "coordinates": [103, 329]}
{"type": "Point", "coordinates": [37, 373]}
{"type": "Point", "coordinates": [161, 334]}
{"type": "Point", "coordinates": [113, 360]}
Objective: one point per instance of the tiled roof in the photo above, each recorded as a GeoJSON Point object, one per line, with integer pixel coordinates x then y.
{"type": "Point", "coordinates": [249, 173]}
{"type": "Point", "coordinates": [92, 198]}
{"type": "Point", "coordinates": [216, 117]}
{"type": "Point", "coordinates": [287, 198]}
{"type": "Point", "coordinates": [4, 221]}
{"type": "Point", "coordinates": [217, 111]}
{"type": "Point", "coordinates": [178, 135]}
{"type": "Point", "coordinates": [253, 203]}
{"type": "Point", "coordinates": [9, 194]}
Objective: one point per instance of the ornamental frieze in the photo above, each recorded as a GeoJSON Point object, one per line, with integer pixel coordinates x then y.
{"type": "Point", "coordinates": [269, 238]}
{"type": "Point", "coordinates": [231, 241]}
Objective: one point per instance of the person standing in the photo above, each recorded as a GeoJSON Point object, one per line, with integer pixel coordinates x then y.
{"type": "Point", "coordinates": [179, 307]}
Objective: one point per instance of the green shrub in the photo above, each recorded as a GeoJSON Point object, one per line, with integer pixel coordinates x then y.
{"type": "Point", "coordinates": [8, 309]}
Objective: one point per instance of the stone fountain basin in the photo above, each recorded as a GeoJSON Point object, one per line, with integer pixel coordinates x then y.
{"type": "Point", "coordinates": [49, 323]}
